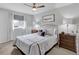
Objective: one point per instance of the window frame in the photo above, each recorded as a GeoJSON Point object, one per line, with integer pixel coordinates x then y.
{"type": "Point", "coordinates": [19, 27]}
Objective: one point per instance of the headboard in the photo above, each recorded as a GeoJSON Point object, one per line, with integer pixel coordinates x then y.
{"type": "Point", "coordinates": [51, 28]}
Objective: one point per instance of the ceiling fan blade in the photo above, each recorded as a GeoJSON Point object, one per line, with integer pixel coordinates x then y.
{"type": "Point", "coordinates": [41, 6]}
{"type": "Point", "coordinates": [34, 4]}
{"type": "Point", "coordinates": [27, 5]}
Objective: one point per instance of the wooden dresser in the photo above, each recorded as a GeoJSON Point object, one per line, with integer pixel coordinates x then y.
{"type": "Point", "coordinates": [67, 41]}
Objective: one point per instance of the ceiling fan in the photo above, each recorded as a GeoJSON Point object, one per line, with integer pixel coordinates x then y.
{"type": "Point", "coordinates": [34, 6]}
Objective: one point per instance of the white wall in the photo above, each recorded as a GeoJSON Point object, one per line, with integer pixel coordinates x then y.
{"type": "Point", "coordinates": [29, 23]}
{"type": "Point", "coordinates": [76, 20]}
{"type": "Point", "coordinates": [58, 19]}
{"type": "Point", "coordinates": [58, 16]}
{"type": "Point", "coordinates": [5, 28]}
{"type": "Point", "coordinates": [6, 31]}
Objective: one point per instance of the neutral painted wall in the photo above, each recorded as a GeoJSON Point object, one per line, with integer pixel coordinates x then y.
{"type": "Point", "coordinates": [76, 20]}
{"type": "Point", "coordinates": [29, 23]}
{"type": "Point", "coordinates": [5, 28]}
{"type": "Point", "coordinates": [58, 19]}
{"type": "Point", "coordinates": [58, 16]}
{"type": "Point", "coordinates": [6, 31]}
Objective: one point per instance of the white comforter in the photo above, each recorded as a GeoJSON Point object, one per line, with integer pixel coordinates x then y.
{"type": "Point", "coordinates": [33, 44]}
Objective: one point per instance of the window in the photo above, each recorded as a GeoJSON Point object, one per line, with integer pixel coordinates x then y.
{"type": "Point", "coordinates": [18, 22]}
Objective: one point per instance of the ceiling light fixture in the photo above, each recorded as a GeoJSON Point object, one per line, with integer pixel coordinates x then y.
{"type": "Point", "coordinates": [34, 9]}
{"type": "Point", "coordinates": [34, 6]}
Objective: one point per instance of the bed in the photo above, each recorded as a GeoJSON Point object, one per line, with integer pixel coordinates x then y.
{"type": "Point", "coordinates": [34, 44]}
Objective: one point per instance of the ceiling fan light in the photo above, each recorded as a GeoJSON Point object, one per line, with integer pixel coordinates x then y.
{"type": "Point", "coordinates": [34, 9]}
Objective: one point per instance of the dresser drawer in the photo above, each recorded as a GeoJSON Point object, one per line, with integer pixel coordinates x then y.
{"type": "Point", "coordinates": [68, 46]}
{"type": "Point", "coordinates": [68, 41]}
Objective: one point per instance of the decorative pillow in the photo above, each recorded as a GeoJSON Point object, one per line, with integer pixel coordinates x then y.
{"type": "Point", "coordinates": [43, 34]}
{"type": "Point", "coordinates": [39, 32]}
{"type": "Point", "coordinates": [44, 30]}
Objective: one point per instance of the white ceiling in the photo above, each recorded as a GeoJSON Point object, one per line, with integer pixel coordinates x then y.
{"type": "Point", "coordinates": [20, 7]}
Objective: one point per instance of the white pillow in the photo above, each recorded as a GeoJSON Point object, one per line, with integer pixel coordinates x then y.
{"type": "Point", "coordinates": [39, 33]}
{"type": "Point", "coordinates": [50, 32]}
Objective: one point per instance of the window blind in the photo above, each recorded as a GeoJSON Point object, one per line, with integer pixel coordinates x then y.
{"type": "Point", "coordinates": [18, 17]}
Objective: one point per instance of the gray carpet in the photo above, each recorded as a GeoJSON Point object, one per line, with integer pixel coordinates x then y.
{"type": "Point", "coordinates": [8, 49]}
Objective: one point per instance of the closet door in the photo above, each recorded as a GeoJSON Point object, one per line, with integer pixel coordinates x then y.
{"type": "Point", "coordinates": [4, 26]}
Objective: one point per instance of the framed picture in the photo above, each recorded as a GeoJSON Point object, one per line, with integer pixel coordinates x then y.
{"type": "Point", "coordinates": [49, 18]}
